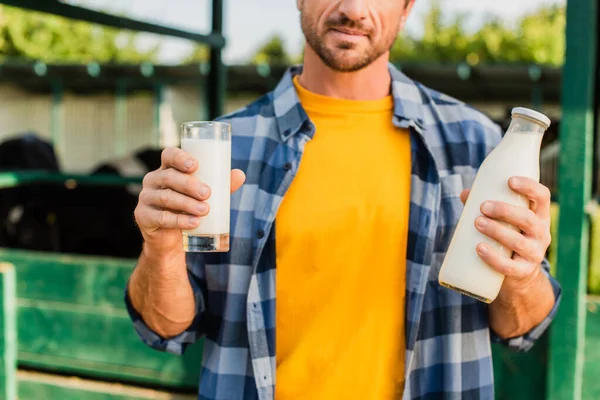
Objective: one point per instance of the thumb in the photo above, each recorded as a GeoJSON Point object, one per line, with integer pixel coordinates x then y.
{"type": "Point", "coordinates": [237, 179]}
{"type": "Point", "coordinates": [464, 195]}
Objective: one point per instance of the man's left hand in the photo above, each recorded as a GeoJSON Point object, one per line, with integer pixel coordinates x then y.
{"type": "Point", "coordinates": [529, 243]}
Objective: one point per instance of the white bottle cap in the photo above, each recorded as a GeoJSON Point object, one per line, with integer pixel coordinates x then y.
{"type": "Point", "coordinates": [537, 116]}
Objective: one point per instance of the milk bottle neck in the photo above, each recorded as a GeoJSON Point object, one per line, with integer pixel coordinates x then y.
{"type": "Point", "coordinates": [525, 126]}
{"type": "Point", "coordinates": [522, 139]}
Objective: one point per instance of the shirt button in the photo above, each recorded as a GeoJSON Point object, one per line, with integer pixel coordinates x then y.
{"type": "Point", "coordinates": [260, 234]}
{"type": "Point", "coordinates": [287, 166]}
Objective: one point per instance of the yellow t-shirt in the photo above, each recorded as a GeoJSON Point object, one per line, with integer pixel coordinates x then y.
{"type": "Point", "coordinates": [341, 236]}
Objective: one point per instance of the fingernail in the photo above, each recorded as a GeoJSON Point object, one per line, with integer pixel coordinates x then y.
{"type": "Point", "coordinates": [482, 249]}
{"type": "Point", "coordinates": [203, 191]}
{"type": "Point", "coordinates": [487, 207]}
{"type": "Point", "coordinates": [201, 207]}
{"type": "Point", "coordinates": [194, 221]}
{"type": "Point", "coordinates": [188, 163]}
{"type": "Point", "coordinates": [516, 182]}
{"type": "Point", "coordinates": [481, 222]}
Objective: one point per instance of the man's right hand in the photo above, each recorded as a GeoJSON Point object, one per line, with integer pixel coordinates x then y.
{"type": "Point", "coordinates": [172, 199]}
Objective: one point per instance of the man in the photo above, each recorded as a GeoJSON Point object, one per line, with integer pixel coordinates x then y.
{"type": "Point", "coordinates": [353, 178]}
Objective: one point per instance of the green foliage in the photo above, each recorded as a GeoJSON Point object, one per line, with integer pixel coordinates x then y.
{"type": "Point", "coordinates": [536, 38]}
{"type": "Point", "coordinates": [199, 54]}
{"type": "Point", "coordinates": [545, 35]}
{"type": "Point", "coordinates": [272, 52]}
{"type": "Point", "coordinates": [26, 35]}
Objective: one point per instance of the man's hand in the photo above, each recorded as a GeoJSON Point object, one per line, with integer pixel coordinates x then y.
{"type": "Point", "coordinates": [172, 199]}
{"type": "Point", "coordinates": [526, 296]}
{"type": "Point", "coordinates": [529, 243]}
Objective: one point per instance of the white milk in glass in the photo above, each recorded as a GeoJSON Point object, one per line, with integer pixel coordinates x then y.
{"type": "Point", "coordinates": [516, 155]}
{"type": "Point", "coordinates": [214, 169]}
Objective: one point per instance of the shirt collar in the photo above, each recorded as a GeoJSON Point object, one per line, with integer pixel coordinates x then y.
{"type": "Point", "coordinates": [290, 116]}
{"type": "Point", "coordinates": [409, 101]}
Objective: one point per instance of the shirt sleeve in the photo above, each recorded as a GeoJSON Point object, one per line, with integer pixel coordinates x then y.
{"type": "Point", "coordinates": [175, 345]}
{"type": "Point", "coordinates": [526, 341]}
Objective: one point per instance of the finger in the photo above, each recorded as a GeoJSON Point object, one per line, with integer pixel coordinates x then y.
{"type": "Point", "coordinates": [173, 157]}
{"type": "Point", "coordinates": [504, 265]}
{"type": "Point", "coordinates": [522, 218]}
{"type": "Point", "coordinates": [465, 195]}
{"type": "Point", "coordinates": [171, 200]}
{"type": "Point", "coordinates": [237, 179]}
{"type": "Point", "coordinates": [180, 182]}
{"type": "Point", "coordinates": [152, 218]}
{"type": "Point", "coordinates": [538, 194]}
{"type": "Point", "coordinates": [527, 248]}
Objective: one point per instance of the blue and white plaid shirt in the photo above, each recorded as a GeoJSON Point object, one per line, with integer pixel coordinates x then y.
{"type": "Point", "coordinates": [448, 337]}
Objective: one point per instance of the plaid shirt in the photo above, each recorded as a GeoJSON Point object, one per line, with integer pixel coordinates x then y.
{"type": "Point", "coordinates": [448, 337]}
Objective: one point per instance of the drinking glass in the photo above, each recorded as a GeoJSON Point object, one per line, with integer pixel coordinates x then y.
{"type": "Point", "coordinates": [210, 143]}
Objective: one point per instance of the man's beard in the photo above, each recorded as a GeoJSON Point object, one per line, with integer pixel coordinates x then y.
{"type": "Point", "coordinates": [328, 56]}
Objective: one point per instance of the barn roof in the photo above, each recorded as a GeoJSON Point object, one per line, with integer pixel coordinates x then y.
{"type": "Point", "coordinates": [509, 83]}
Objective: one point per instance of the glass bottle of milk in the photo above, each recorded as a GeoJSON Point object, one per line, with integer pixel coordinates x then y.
{"type": "Point", "coordinates": [517, 154]}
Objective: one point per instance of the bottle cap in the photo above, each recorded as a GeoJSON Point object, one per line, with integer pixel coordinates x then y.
{"type": "Point", "coordinates": [537, 116]}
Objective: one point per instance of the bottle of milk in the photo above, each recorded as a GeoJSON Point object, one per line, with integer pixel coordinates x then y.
{"type": "Point", "coordinates": [517, 154]}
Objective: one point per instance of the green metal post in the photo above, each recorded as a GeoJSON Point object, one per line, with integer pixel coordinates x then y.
{"type": "Point", "coordinates": [216, 80]}
{"type": "Point", "coordinates": [8, 330]}
{"type": "Point", "coordinates": [121, 118]}
{"type": "Point", "coordinates": [537, 97]}
{"type": "Point", "coordinates": [57, 7]}
{"type": "Point", "coordinates": [159, 96]}
{"type": "Point", "coordinates": [567, 335]}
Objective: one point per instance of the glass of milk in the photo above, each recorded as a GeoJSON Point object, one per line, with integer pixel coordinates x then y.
{"type": "Point", "coordinates": [210, 143]}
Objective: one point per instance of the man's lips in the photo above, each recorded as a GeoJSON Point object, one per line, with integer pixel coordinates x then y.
{"type": "Point", "coordinates": [349, 31]}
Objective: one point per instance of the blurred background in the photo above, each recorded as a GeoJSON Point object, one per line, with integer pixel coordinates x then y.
{"type": "Point", "coordinates": [494, 56]}
{"type": "Point", "coordinates": [87, 107]}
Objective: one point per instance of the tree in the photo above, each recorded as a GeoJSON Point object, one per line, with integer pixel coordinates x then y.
{"type": "Point", "coordinates": [199, 54]}
{"type": "Point", "coordinates": [272, 52]}
{"type": "Point", "coordinates": [542, 37]}
{"type": "Point", "coordinates": [537, 38]}
{"type": "Point", "coordinates": [27, 35]}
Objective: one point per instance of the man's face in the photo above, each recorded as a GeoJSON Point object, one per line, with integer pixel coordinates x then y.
{"type": "Point", "coordinates": [349, 35]}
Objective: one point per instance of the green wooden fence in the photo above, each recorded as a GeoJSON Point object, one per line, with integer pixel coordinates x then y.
{"type": "Point", "coordinates": [72, 321]}
{"type": "Point", "coordinates": [568, 334]}
{"type": "Point", "coordinates": [8, 332]}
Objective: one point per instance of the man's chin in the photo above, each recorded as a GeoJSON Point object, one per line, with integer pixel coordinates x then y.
{"type": "Point", "coordinates": [341, 59]}
{"type": "Point", "coordinates": [346, 64]}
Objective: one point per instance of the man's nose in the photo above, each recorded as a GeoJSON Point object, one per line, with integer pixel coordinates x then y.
{"type": "Point", "coordinates": [354, 10]}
